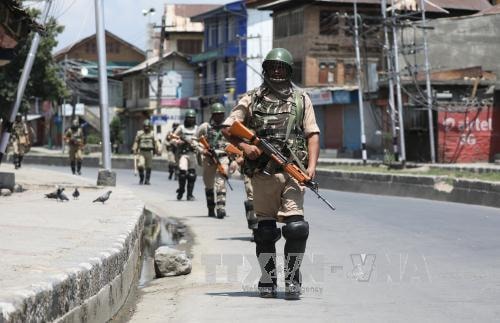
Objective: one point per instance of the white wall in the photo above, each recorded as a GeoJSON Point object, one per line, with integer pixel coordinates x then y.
{"type": "Point", "coordinates": [260, 24]}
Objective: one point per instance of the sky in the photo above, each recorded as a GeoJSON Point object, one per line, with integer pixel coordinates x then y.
{"type": "Point", "coordinates": [123, 18]}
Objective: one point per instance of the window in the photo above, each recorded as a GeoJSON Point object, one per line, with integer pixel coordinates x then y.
{"type": "Point", "coordinates": [296, 22]}
{"type": "Point", "coordinates": [189, 46]}
{"type": "Point", "coordinates": [231, 28]}
{"type": "Point", "coordinates": [326, 73]}
{"type": "Point", "coordinates": [212, 35]}
{"type": "Point", "coordinates": [328, 23]}
{"type": "Point", "coordinates": [221, 31]}
{"type": "Point", "coordinates": [297, 73]}
{"type": "Point", "coordinates": [289, 23]}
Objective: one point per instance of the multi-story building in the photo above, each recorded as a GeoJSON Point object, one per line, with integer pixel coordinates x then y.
{"type": "Point", "coordinates": [319, 34]}
{"type": "Point", "coordinates": [236, 39]}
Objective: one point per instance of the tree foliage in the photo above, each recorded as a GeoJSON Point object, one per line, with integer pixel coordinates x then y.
{"type": "Point", "coordinates": [44, 80]}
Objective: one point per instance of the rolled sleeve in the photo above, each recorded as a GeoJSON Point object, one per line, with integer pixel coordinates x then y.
{"type": "Point", "coordinates": [310, 125]}
{"type": "Point", "coordinates": [240, 111]}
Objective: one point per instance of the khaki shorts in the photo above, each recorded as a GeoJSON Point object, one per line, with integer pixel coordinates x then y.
{"type": "Point", "coordinates": [277, 196]}
{"type": "Point", "coordinates": [145, 159]}
{"type": "Point", "coordinates": [212, 177]}
{"type": "Point", "coordinates": [187, 161]}
{"type": "Point", "coordinates": [171, 157]}
{"type": "Point", "coordinates": [75, 153]}
{"type": "Point", "coordinates": [19, 149]}
{"type": "Point", "coordinates": [248, 187]}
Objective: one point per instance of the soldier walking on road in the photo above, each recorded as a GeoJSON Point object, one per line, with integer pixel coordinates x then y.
{"type": "Point", "coordinates": [20, 140]}
{"type": "Point", "coordinates": [185, 139]}
{"type": "Point", "coordinates": [74, 138]}
{"type": "Point", "coordinates": [145, 146]}
{"type": "Point", "coordinates": [212, 179]}
{"type": "Point", "coordinates": [282, 114]}
{"type": "Point", "coordinates": [171, 153]}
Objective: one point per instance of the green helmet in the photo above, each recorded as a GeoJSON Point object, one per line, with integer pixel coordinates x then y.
{"type": "Point", "coordinates": [217, 108]}
{"type": "Point", "coordinates": [146, 123]}
{"type": "Point", "coordinates": [190, 113]}
{"type": "Point", "coordinates": [280, 55]}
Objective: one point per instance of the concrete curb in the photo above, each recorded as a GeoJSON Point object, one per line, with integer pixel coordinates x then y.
{"type": "Point", "coordinates": [93, 291]}
{"type": "Point", "coordinates": [438, 188]}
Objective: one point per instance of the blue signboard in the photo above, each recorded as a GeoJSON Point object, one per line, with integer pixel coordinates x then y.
{"type": "Point", "coordinates": [158, 120]}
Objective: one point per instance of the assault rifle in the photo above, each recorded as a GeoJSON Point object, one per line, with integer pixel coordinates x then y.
{"type": "Point", "coordinates": [215, 159]}
{"type": "Point", "coordinates": [232, 149]}
{"type": "Point", "coordinates": [242, 132]}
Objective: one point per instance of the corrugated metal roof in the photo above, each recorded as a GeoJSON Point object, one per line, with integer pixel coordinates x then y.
{"type": "Point", "coordinates": [473, 5]}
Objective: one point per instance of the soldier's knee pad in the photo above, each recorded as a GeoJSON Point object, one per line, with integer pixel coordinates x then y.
{"type": "Point", "coordinates": [182, 174]}
{"type": "Point", "coordinates": [267, 232]}
{"type": "Point", "coordinates": [191, 175]}
{"type": "Point", "coordinates": [248, 206]}
{"type": "Point", "coordinates": [296, 230]}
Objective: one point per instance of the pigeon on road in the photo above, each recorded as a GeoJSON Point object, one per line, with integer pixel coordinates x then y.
{"type": "Point", "coordinates": [76, 193]}
{"type": "Point", "coordinates": [61, 196]}
{"type": "Point", "coordinates": [103, 198]}
{"type": "Point", "coordinates": [54, 195]}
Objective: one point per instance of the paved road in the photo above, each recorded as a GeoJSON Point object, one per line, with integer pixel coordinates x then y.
{"type": "Point", "coordinates": [376, 259]}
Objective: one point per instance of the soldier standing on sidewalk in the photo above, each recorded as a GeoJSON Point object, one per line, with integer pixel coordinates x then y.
{"type": "Point", "coordinates": [187, 146]}
{"type": "Point", "coordinates": [282, 114]}
{"type": "Point", "coordinates": [145, 146]}
{"type": "Point", "coordinates": [212, 131]}
{"type": "Point", "coordinates": [171, 153]}
{"type": "Point", "coordinates": [74, 138]}
{"type": "Point", "coordinates": [20, 140]}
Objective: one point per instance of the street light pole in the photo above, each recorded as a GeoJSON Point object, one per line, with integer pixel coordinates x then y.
{"type": "Point", "coordinates": [360, 88]}
{"type": "Point", "coordinates": [30, 59]}
{"type": "Point", "coordinates": [106, 176]}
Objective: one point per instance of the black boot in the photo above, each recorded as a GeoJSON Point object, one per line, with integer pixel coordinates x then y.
{"type": "Point", "coordinates": [170, 171]}
{"type": "Point", "coordinates": [191, 178]}
{"type": "Point", "coordinates": [266, 236]}
{"type": "Point", "coordinates": [250, 215]}
{"type": "Point", "coordinates": [19, 161]}
{"type": "Point", "coordinates": [182, 184]}
{"type": "Point", "coordinates": [73, 167]}
{"type": "Point", "coordinates": [221, 205]}
{"type": "Point", "coordinates": [141, 176]}
{"type": "Point", "coordinates": [209, 193]}
{"type": "Point", "coordinates": [79, 167]}
{"type": "Point", "coordinates": [176, 173]}
{"type": "Point", "coordinates": [295, 232]}
{"type": "Point", "coordinates": [148, 176]}
{"type": "Point", "coordinates": [15, 159]}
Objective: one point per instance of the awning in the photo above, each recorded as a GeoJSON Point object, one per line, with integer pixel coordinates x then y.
{"type": "Point", "coordinates": [205, 56]}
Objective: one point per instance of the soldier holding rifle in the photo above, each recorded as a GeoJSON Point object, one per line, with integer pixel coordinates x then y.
{"type": "Point", "coordinates": [283, 115]}
{"type": "Point", "coordinates": [214, 175]}
{"type": "Point", "coordinates": [74, 138]}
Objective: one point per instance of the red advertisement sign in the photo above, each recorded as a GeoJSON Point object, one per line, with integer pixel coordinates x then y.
{"type": "Point", "coordinates": [466, 136]}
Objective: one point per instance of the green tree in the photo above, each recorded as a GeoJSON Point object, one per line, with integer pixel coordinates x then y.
{"type": "Point", "coordinates": [44, 81]}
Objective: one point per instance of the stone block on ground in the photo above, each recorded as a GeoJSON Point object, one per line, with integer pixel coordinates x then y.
{"type": "Point", "coordinates": [106, 178]}
{"type": "Point", "coordinates": [5, 192]}
{"type": "Point", "coordinates": [7, 180]}
{"type": "Point", "coordinates": [171, 262]}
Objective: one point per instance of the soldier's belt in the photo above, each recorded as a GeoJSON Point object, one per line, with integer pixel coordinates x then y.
{"type": "Point", "coordinates": [146, 149]}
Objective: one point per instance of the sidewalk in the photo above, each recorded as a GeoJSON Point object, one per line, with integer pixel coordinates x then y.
{"type": "Point", "coordinates": [60, 257]}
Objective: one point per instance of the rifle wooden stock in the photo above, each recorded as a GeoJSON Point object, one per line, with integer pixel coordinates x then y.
{"type": "Point", "coordinates": [240, 131]}
{"type": "Point", "coordinates": [215, 159]}
{"type": "Point", "coordinates": [232, 149]}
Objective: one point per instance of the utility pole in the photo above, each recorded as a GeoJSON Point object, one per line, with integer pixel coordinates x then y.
{"type": "Point", "coordinates": [390, 72]}
{"type": "Point", "coordinates": [63, 112]}
{"type": "Point", "coordinates": [106, 176]}
{"type": "Point", "coordinates": [22, 83]}
{"type": "Point", "coordinates": [360, 88]}
{"type": "Point", "coordinates": [428, 85]}
{"type": "Point", "coordinates": [398, 86]}
{"type": "Point", "coordinates": [159, 90]}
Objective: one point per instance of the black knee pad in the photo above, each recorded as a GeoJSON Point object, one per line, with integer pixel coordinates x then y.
{"type": "Point", "coordinates": [183, 173]}
{"type": "Point", "coordinates": [267, 232]}
{"type": "Point", "coordinates": [248, 206]}
{"type": "Point", "coordinates": [296, 230]}
{"type": "Point", "coordinates": [191, 175]}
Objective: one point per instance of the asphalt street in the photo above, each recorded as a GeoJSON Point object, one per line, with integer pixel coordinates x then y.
{"type": "Point", "coordinates": [375, 259]}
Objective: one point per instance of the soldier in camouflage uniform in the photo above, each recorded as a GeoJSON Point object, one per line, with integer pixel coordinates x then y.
{"type": "Point", "coordinates": [146, 146]}
{"type": "Point", "coordinates": [187, 146]}
{"type": "Point", "coordinates": [74, 138]}
{"type": "Point", "coordinates": [282, 114]}
{"type": "Point", "coordinates": [171, 153]}
{"type": "Point", "coordinates": [212, 131]}
{"type": "Point", "coordinates": [20, 140]}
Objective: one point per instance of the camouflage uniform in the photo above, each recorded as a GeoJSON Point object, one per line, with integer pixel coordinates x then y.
{"type": "Point", "coordinates": [283, 115]}
{"type": "Point", "coordinates": [20, 140]}
{"type": "Point", "coordinates": [186, 149]}
{"type": "Point", "coordinates": [171, 153]}
{"type": "Point", "coordinates": [210, 174]}
{"type": "Point", "coordinates": [75, 140]}
{"type": "Point", "coordinates": [146, 146]}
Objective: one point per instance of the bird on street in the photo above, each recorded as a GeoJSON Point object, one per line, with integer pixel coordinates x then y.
{"type": "Point", "coordinates": [54, 195]}
{"type": "Point", "coordinates": [76, 193]}
{"type": "Point", "coordinates": [61, 196]}
{"type": "Point", "coordinates": [103, 198]}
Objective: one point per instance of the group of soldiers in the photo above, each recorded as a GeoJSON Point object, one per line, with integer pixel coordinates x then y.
{"type": "Point", "coordinates": [279, 113]}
